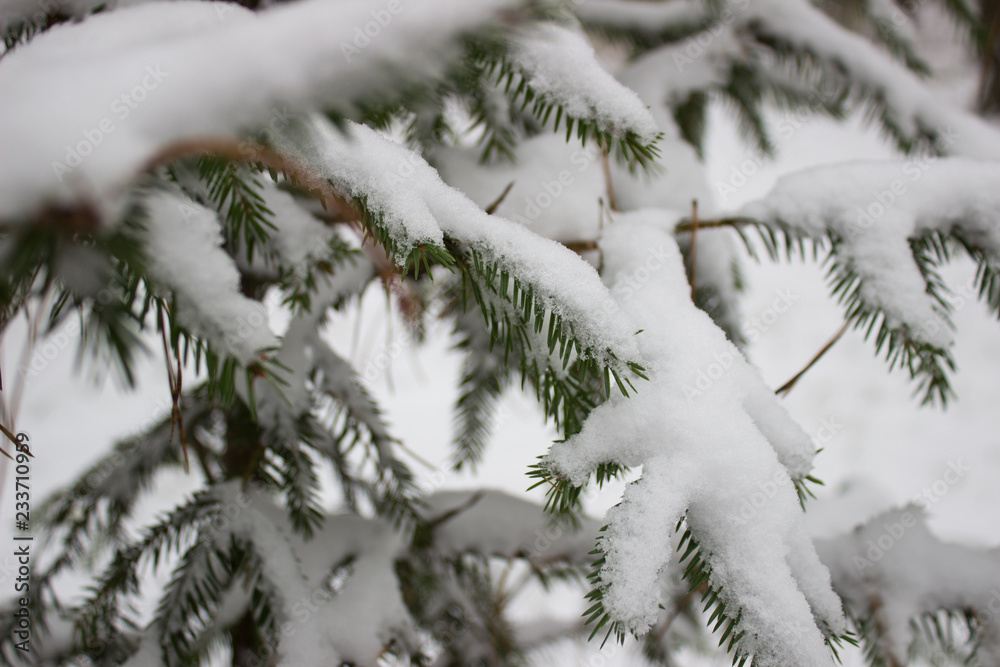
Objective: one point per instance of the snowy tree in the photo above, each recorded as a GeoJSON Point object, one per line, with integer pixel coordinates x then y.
{"type": "Point", "coordinates": [529, 171]}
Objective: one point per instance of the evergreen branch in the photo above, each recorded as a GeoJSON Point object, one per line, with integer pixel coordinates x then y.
{"type": "Point", "coordinates": [237, 193]}
{"type": "Point", "coordinates": [191, 599]}
{"type": "Point", "coordinates": [899, 45]}
{"type": "Point", "coordinates": [567, 378]}
{"type": "Point", "coordinates": [691, 116]}
{"type": "Point", "coordinates": [99, 502]}
{"type": "Point", "coordinates": [631, 150]}
{"type": "Point", "coordinates": [301, 487]}
{"type": "Point", "coordinates": [563, 499]}
{"type": "Point", "coordinates": [928, 365]}
{"type": "Point", "coordinates": [744, 92]}
{"type": "Point", "coordinates": [353, 419]}
{"type": "Point", "coordinates": [420, 257]}
{"type": "Point", "coordinates": [484, 378]}
{"type": "Point", "coordinates": [787, 386]}
{"type": "Point", "coordinates": [640, 34]}
{"type": "Point", "coordinates": [724, 616]}
{"type": "Point", "coordinates": [968, 19]}
{"type": "Point", "coordinates": [101, 613]}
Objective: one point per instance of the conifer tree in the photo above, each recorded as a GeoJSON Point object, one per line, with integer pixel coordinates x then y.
{"type": "Point", "coordinates": [483, 165]}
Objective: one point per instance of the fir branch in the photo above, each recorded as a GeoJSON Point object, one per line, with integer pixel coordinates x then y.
{"type": "Point", "coordinates": [628, 147]}
{"type": "Point", "coordinates": [237, 194]}
{"type": "Point", "coordinates": [191, 599]}
{"type": "Point", "coordinates": [96, 506]}
{"type": "Point", "coordinates": [565, 374]}
{"type": "Point", "coordinates": [301, 487]}
{"type": "Point", "coordinates": [103, 611]}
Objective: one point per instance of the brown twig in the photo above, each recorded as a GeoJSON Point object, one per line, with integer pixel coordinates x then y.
{"type": "Point", "coordinates": [491, 209]}
{"type": "Point", "coordinates": [13, 438]}
{"type": "Point", "coordinates": [609, 185]}
{"type": "Point", "coordinates": [581, 246]}
{"type": "Point", "coordinates": [199, 451]}
{"type": "Point", "coordinates": [787, 387]}
{"type": "Point", "coordinates": [445, 516]}
{"type": "Point", "coordinates": [693, 252]}
{"type": "Point", "coordinates": [252, 152]}
{"type": "Point", "coordinates": [255, 458]}
{"type": "Point", "coordinates": [681, 606]}
{"type": "Point", "coordinates": [174, 381]}
{"type": "Point", "coordinates": [687, 224]}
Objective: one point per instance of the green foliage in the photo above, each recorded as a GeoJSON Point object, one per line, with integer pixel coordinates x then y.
{"type": "Point", "coordinates": [420, 258]}
{"type": "Point", "coordinates": [109, 600]}
{"type": "Point", "coordinates": [691, 118]}
{"type": "Point", "coordinates": [236, 193]}
{"type": "Point", "coordinates": [944, 637]}
{"type": "Point", "coordinates": [565, 374]}
{"type": "Point", "coordinates": [646, 36]}
{"type": "Point", "coordinates": [929, 366]}
{"type": "Point", "coordinates": [628, 148]}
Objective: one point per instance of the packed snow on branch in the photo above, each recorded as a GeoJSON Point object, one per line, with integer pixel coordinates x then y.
{"type": "Point", "coordinates": [789, 29]}
{"type": "Point", "coordinates": [910, 105]}
{"type": "Point", "coordinates": [417, 205]}
{"type": "Point", "coordinates": [642, 16]}
{"type": "Point", "coordinates": [498, 524]}
{"type": "Point", "coordinates": [875, 209]}
{"type": "Point", "coordinates": [183, 242]}
{"type": "Point", "coordinates": [709, 434]}
{"type": "Point", "coordinates": [560, 65]}
{"type": "Point", "coordinates": [894, 570]}
{"type": "Point", "coordinates": [138, 82]}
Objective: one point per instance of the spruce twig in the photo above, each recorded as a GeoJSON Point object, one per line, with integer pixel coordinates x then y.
{"type": "Point", "coordinates": [693, 252]}
{"type": "Point", "coordinates": [787, 387]}
{"type": "Point", "coordinates": [491, 209]}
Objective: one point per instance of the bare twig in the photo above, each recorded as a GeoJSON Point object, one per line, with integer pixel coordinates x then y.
{"type": "Point", "coordinates": [687, 225]}
{"type": "Point", "coordinates": [420, 459]}
{"type": "Point", "coordinates": [787, 387]}
{"type": "Point", "coordinates": [581, 246]}
{"type": "Point", "coordinates": [199, 451]}
{"type": "Point", "coordinates": [693, 252]}
{"type": "Point", "coordinates": [174, 380]}
{"type": "Point", "coordinates": [681, 606]}
{"type": "Point", "coordinates": [609, 186]}
{"type": "Point", "coordinates": [254, 153]}
{"type": "Point", "coordinates": [10, 436]}
{"type": "Point", "coordinates": [491, 209]}
{"type": "Point", "coordinates": [472, 500]}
